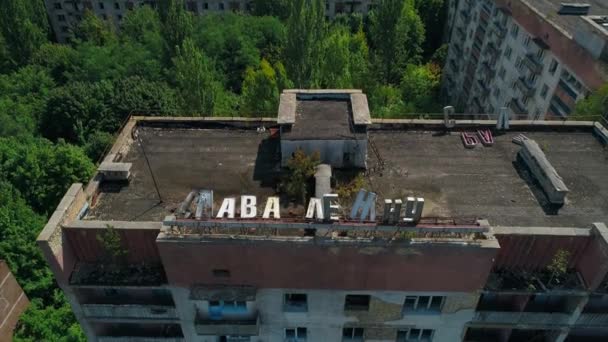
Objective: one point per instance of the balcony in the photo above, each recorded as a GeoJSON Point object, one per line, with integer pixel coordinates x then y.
{"type": "Point", "coordinates": [517, 107]}
{"type": "Point", "coordinates": [504, 280]}
{"type": "Point", "coordinates": [461, 33]}
{"type": "Point", "coordinates": [483, 88]}
{"type": "Point", "coordinates": [244, 327]}
{"type": "Point", "coordinates": [130, 311]}
{"type": "Point", "coordinates": [487, 70]}
{"type": "Point", "coordinates": [492, 51]}
{"type": "Point", "coordinates": [521, 318]}
{"type": "Point", "coordinates": [593, 319]}
{"type": "Point", "coordinates": [527, 88]}
{"type": "Point", "coordinates": [140, 339]}
{"type": "Point", "coordinates": [98, 274]}
{"type": "Point", "coordinates": [499, 30]}
{"type": "Point", "coordinates": [533, 63]}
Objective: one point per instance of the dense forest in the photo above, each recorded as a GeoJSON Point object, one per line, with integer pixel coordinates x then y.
{"type": "Point", "coordinates": [61, 104]}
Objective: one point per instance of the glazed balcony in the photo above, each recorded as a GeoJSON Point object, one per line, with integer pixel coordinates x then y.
{"type": "Point", "coordinates": [533, 63]}
{"type": "Point", "coordinates": [129, 311]}
{"type": "Point", "coordinates": [244, 327]}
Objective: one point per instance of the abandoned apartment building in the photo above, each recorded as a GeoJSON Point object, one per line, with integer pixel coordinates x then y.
{"type": "Point", "coordinates": [491, 230]}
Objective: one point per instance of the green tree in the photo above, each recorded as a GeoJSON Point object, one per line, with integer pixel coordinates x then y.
{"type": "Point", "coordinates": [137, 95]}
{"type": "Point", "coordinates": [94, 30]}
{"type": "Point", "coordinates": [42, 171]}
{"type": "Point", "coordinates": [23, 96]}
{"type": "Point", "coordinates": [23, 27]}
{"type": "Point", "coordinates": [43, 322]}
{"type": "Point", "coordinates": [300, 169]}
{"type": "Point", "coordinates": [19, 227]}
{"type": "Point", "coordinates": [273, 8]}
{"type": "Point", "coordinates": [176, 24]}
{"type": "Point", "coordinates": [305, 32]}
{"type": "Point", "coordinates": [344, 62]}
{"type": "Point", "coordinates": [420, 87]}
{"type": "Point", "coordinates": [397, 34]}
{"type": "Point", "coordinates": [77, 109]}
{"type": "Point", "coordinates": [194, 76]}
{"type": "Point", "coordinates": [260, 91]}
{"type": "Point", "coordinates": [143, 25]}
{"type": "Point", "coordinates": [58, 59]}
{"type": "Point", "coordinates": [433, 16]}
{"type": "Point", "coordinates": [594, 107]}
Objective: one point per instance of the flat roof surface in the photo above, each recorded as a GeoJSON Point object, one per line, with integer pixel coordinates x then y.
{"type": "Point", "coordinates": [322, 119]}
{"type": "Point", "coordinates": [570, 23]}
{"type": "Point", "coordinates": [483, 182]}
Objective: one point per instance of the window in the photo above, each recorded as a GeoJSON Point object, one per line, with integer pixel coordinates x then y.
{"type": "Point", "coordinates": [234, 338]}
{"type": "Point", "coordinates": [423, 304]}
{"type": "Point", "coordinates": [191, 6]}
{"type": "Point", "coordinates": [496, 92]}
{"type": "Point", "coordinates": [527, 41]}
{"type": "Point", "coordinates": [295, 302]}
{"type": "Point", "coordinates": [425, 335]}
{"type": "Point", "coordinates": [101, 6]}
{"type": "Point", "coordinates": [515, 31]}
{"type": "Point", "coordinates": [61, 17]}
{"type": "Point", "coordinates": [508, 52]}
{"type": "Point", "coordinates": [116, 5]}
{"type": "Point", "coordinates": [206, 5]}
{"type": "Point", "coordinates": [356, 303]}
{"type": "Point", "coordinates": [64, 29]}
{"type": "Point", "coordinates": [57, 5]}
{"type": "Point", "coordinates": [221, 6]}
{"type": "Point", "coordinates": [119, 17]}
{"type": "Point", "coordinates": [544, 91]}
{"type": "Point", "coordinates": [525, 100]}
{"type": "Point", "coordinates": [553, 67]}
{"type": "Point", "coordinates": [295, 334]}
{"type": "Point", "coordinates": [540, 54]}
{"type": "Point", "coordinates": [352, 334]}
{"type": "Point", "coordinates": [221, 273]}
{"type": "Point", "coordinates": [502, 73]}
{"type": "Point", "coordinates": [532, 79]}
{"type": "Point", "coordinates": [238, 305]}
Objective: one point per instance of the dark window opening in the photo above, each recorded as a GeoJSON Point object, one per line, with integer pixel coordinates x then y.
{"type": "Point", "coordinates": [356, 302]}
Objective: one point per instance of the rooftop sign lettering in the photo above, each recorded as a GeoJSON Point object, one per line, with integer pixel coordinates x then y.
{"type": "Point", "coordinates": [325, 209]}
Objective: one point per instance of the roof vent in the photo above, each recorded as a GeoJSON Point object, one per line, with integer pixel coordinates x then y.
{"type": "Point", "coordinates": [574, 8]}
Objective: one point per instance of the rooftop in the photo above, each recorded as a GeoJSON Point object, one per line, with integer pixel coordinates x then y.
{"type": "Point", "coordinates": [484, 182]}
{"type": "Point", "coordinates": [570, 23]}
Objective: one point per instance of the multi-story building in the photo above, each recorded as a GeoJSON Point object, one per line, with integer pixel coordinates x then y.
{"type": "Point", "coordinates": [183, 234]}
{"type": "Point", "coordinates": [13, 302]}
{"type": "Point", "coordinates": [536, 58]}
{"type": "Point", "coordinates": [64, 15]}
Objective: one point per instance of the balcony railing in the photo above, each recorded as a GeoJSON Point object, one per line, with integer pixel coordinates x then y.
{"type": "Point", "coordinates": [483, 88]}
{"type": "Point", "coordinates": [227, 327]}
{"type": "Point", "coordinates": [139, 339]}
{"type": "Point", "coordinates": [533, 63]}
{"type": "Point", "coordinates": [526, 88]}
{"type": "Point", "coordinates": [517, 107]}
{"type": "Point", "coordinates": [130, 311]}
{"type": "Point", "coordinates": [523, 318]}
{"type": "Point", "coordinates": [113, 275]}
{"type": "Point", "coordinates": [593, 319]}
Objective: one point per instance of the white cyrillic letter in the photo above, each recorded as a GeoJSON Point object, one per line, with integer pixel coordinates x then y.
{"type": "Point", "coordinates": [413, 209]}
{"type": "Point", "coordinates": [248, 206]}
{"type": "Point", "coordinates": [227, 208]}
{"type": "Point", "coordinates": [314, 209]}
{"type": "Point", "coordinates": [392, 211]}
{"type": "Point", "coordinates": [331, 207]}
{"type": "Point", "coordinates": [363, 206]}
{"type": "Point", "coordinates": [272, 206]}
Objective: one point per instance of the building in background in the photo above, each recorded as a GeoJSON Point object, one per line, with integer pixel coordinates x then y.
{"type": "Point", "coordinates": [12, 302]}
{"type": "Point", "coordinates": [537, 58]}
{"type": "Point", "coordinates": [498, 239]}
{"type": "Point", "coordinates": [64, 15]}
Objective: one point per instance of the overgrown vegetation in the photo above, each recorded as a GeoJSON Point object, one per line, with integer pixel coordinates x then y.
{"type": "Point", "coordinates": [300, 169]}
{"type": "Point", "coordinates": [60, 104]}
{"type": "Point", "coordinates": [594, 107]}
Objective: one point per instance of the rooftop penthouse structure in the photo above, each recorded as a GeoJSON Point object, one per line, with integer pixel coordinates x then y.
{"type": "Point", "coordinates": [463, 231]}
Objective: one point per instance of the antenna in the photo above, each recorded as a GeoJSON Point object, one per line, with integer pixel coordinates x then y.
{"type": "Point", "coordinates": [143, 150]}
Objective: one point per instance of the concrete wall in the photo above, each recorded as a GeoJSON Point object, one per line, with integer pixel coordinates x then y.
{"type": "Point", "coordinates": [265, 264]}
{"type": "Point", "coordinates": [12, 302]}
{"type": "Point", "coordinates": [331, 151]}
{"type": "Point", "coordinates": [326, 317]}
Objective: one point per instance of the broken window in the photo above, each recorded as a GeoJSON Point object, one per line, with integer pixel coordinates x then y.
{"type": "Point", "coordinates": [423, 304]}
{"type": "Point", "coordinates": [295, 302]}
{"type": "Point", "coordinates": [295, 334]}
{"type": "Point", "coordinates": [425, 335]}
{"type": "Point", "coordinates": [352, 334]}
{"type": "Point", "coordinates": [356, 303]}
